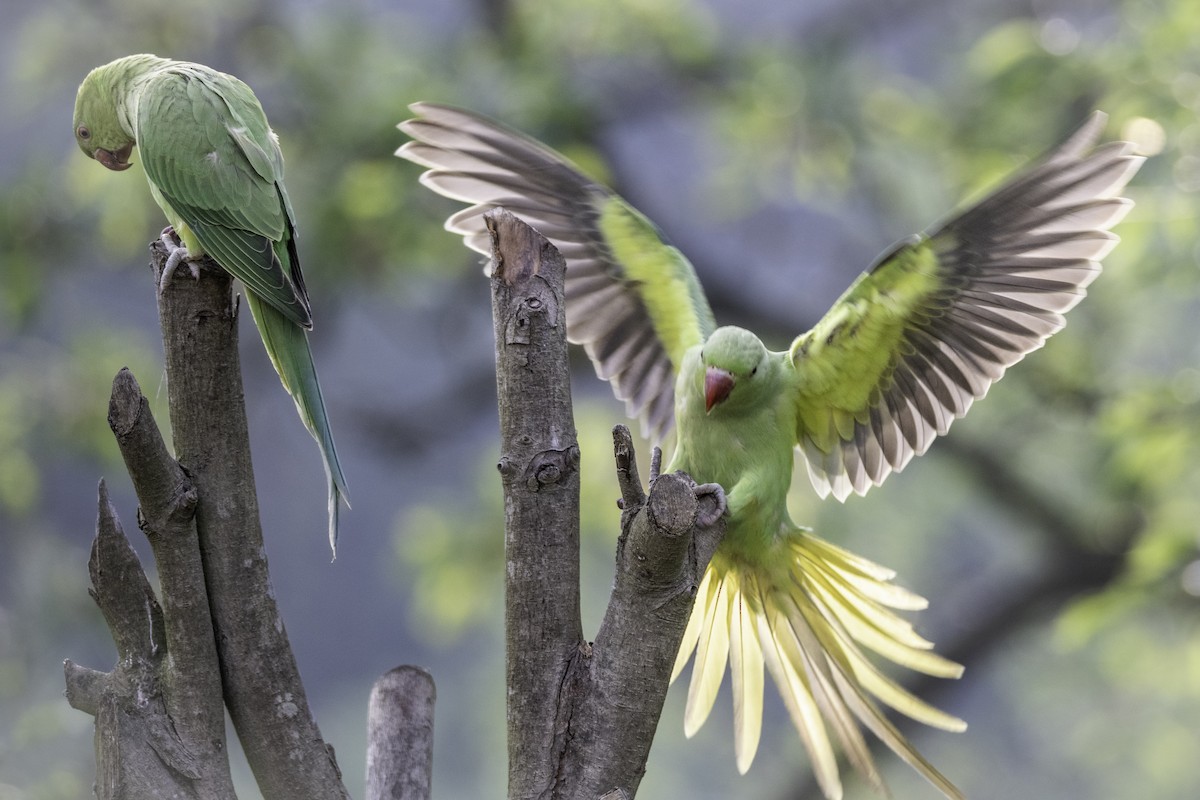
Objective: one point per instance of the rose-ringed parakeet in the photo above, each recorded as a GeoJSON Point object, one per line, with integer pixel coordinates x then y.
{"type": "Point", "coordinates": [215, 168]}
{"type": "Point", "coordinates": [905, 351]}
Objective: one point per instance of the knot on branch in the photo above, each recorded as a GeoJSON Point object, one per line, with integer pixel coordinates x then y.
{"type": "Point", "coordinates": [179, 511]}
{"type": "Point", "coordinates": [530, 307]}
{"type": "Point", "coordinates": [551, 467]}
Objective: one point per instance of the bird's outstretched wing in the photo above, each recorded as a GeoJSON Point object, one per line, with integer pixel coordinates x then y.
{"type": "Point", "coordinates": [209, 153]}
{"type": "Point", "coordinates": [938, 319]}
{"type": "Point", "coordinates": [633, 300]}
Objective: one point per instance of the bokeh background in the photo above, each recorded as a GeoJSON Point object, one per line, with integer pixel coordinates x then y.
{"type": "Point", "coordinates": [781, 145]}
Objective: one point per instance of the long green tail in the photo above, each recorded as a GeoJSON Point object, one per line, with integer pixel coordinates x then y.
{"type": "Point", "coordinates": [807, 621]}
{"type": "Point", "coordinates": [287, 345]}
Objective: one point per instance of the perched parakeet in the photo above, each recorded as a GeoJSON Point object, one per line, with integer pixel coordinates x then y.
{"type": "Point", "coordinates": [215, 168]}
{"type": "Point", "coordinates": [905, 351]}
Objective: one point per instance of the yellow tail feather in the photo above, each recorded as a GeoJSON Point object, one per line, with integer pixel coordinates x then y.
{"type": "Point", "coordinates": [808, 622]}
{"type": "Point", "coordinates": [793, 686]}
{"type": "Point", "coordinates": [712, 650]}
{"type": "Point", "coordinates": [745, 668]}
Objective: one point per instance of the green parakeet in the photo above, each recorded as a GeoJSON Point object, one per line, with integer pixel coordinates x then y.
{"type": "Point", "coordinates": [905, 351]}
{"type": "Point", "coordinates": [215, 168]}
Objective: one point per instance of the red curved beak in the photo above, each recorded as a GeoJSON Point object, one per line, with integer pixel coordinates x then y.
{"type": "Point", "coordinates": [115, 160]}
{"type": "Point", "coordinates": [717, 385]}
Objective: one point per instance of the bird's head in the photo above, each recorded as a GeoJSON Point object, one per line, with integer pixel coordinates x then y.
{"type": "Point", "coordinates": [736, 368]}
{"type": "Point", "coordinates": [98, 130]}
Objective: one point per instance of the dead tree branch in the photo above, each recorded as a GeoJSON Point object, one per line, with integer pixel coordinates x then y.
{"type": "Point", "coordinates": [217, 641]}
{"type": "Point", "coordinates": [400, 735]}
{"type": "Point", "coordinates": [261, 681]}
{"type": "Point", "coordinates": [581, 716]}
{"type": "Point", "coordinates": [160, 722]}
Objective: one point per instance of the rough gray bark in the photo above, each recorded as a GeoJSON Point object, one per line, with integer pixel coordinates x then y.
{"type": "Point", "coordinates": [167, 515]}
{"type": "Point", "coordinates": [665, 545]}
{"type": "Point", "coordinates": [261, 681]}
{"type": "Point", "coordinates": [581, 716]}
{"type": "Point", "coordinates": [217, 640]}
{"type": "Point", "coordinates": [400, 735]}
{"type": "Point", "coordinates": [160, 722]}
{"type": "Point", "coordinates": [539, 468]}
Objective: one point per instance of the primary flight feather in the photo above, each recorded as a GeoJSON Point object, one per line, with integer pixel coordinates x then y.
{"type": "Point", "coordinates": [902, 354]}
{"type": "Point", "coordinates": [215, 168]}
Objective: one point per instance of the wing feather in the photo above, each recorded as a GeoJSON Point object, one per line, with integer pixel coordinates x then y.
{"type": "Point", "coordinates": [921, 336]}
{"type": "Point", "coordinates": [633, 301]}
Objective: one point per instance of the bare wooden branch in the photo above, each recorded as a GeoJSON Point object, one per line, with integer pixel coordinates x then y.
{"type": "Point", "coordinates": [581, 717]}
{"type": "Point", "coordinates": [120, 589]}
{"type": "Point", "coordinates": [539, 469]}
{"type": "Point", "coordinates": [142, 748]}
{"type": "Point", "coordinates": [261, 681]}
{"type": "Point", "coordinates": [630, 483]}
{"type": "Point", "coordinates": [664, 549]}
{"type": "Point", "coordinates": [400, 735]}
{"type": "Point", "coordinates": [167, 516]}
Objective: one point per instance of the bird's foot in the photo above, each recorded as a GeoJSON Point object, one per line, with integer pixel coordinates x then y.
{"type": "Point", "coordinates": [711, 504]}
{"type": "Point", "coordinates": [177, 254]}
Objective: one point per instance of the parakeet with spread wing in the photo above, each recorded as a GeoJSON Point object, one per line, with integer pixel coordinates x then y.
{"type": "Point", "coordinates": [902, 354]}
{"type": "Point", "coordinates": [215, 168]}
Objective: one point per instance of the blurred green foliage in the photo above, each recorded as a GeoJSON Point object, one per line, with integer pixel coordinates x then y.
{"type": "Point", "coordinates": [838, 114]}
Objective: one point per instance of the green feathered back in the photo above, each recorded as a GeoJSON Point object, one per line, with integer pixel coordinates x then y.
{"type": "Point", "coordinates": [215, 168]}
{"type": "Point", "coordinates": [208, 151]}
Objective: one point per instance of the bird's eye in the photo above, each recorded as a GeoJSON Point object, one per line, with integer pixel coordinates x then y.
{"type": "Point", "coordinates": [754, 371]}
{"type": "Point", "coordinates": [83, 133]}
